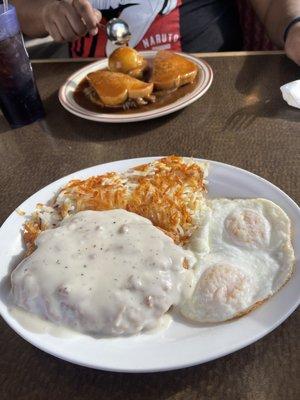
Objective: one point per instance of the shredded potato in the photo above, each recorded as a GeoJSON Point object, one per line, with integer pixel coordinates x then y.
{"type": "Point", "coordinates": [168, 191]}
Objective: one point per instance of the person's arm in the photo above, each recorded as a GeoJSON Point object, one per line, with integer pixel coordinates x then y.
{"type": "Point", "coordinates": [276, 15]}
{"type": "Point", "coordinates": [64, 20]}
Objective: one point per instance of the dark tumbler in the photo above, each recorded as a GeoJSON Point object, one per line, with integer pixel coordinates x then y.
{"type": "Point", "coordinates": [19, 98]}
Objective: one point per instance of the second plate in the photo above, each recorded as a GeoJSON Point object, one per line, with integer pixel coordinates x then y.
{"type": "Point", "coordinates": [66, 94]}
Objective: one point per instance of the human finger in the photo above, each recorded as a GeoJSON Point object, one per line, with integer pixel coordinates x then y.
{"type": "Point", "coordinates": [90, 16]}
{"type": "Point", "coordinates": [65, 28]}
{"type": "Point", "coordinates": [53, 31]}
{"type": "Point", "coordinates": [74, 20]}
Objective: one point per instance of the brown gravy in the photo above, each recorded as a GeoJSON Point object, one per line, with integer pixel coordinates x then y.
{"type": "Point", "coordinates": [162, 100]}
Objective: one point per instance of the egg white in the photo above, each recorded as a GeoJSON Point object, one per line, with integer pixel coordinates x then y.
{"type": "Point", "coordinates": [244, 254]}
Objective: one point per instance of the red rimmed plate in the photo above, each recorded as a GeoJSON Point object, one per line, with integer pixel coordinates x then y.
{"type": "Point", "coordinates": [66, 94]}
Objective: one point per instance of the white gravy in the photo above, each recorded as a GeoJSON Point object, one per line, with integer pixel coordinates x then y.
{"type": "Point", "coordinates": [103, 272]}
{"type": "Point", "coordinates": [35, 324]}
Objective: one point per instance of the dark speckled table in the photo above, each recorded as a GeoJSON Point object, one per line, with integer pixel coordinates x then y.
{"type": "Point", "coordinates": [243, 121]}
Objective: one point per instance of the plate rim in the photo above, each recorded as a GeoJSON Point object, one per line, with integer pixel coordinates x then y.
{"type": "Point", "coordinates": [182, 364]}
{"type": "Point", "coordinates": [142, 116]}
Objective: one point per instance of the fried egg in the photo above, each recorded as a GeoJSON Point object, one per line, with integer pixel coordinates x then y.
{"type": "Point", "coordinates": [244, 254]}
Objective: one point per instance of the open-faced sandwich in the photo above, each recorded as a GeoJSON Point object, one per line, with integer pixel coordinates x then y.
{"type": "Point", "coordinates": [132, 82]}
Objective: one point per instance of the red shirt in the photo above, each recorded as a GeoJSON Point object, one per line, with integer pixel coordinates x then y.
{"type": "Point", "coordinates": [187, 25]}
{"type": "Point", "coordinates": [155, 28]}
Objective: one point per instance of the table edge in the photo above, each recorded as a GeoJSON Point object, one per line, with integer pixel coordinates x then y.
{"type": "Point", "coordinates": [202, 55]}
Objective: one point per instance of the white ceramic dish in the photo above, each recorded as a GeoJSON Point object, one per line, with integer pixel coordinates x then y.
{"type": "Point", "coordinates": [181, 345]}
{"type": "Point", "coordinates": [67, 90]}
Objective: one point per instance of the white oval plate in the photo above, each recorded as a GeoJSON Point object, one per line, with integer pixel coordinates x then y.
{"type": "Point", "coordinates": [181, 345]}
{"type": "Point", "coordinates": [67, 90]}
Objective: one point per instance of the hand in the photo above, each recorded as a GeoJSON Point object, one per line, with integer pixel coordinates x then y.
{"type": "Point", "coordinates": [292, 43]}
{"type": "Point", "coordinates": [68, 20]}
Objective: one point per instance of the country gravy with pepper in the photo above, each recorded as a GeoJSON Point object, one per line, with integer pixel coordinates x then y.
{"type": "Point", "coordinates": [103, 272]}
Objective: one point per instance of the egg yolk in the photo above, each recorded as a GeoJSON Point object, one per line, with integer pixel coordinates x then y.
{"type": "Point", "coordinates": [125, 59]}
{"type": "Point", "coordinates": [248, 228]}
{"type": "Point", "coordinates": [225, 284]}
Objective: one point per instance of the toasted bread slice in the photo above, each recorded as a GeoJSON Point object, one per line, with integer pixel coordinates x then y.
{"type": "Point", "coordinates": [114, 88]}
{"type": "Point", "coordinates": [171, 70]}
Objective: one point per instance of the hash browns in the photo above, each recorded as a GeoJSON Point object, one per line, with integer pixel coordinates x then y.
{"type": "Point", "coordinates": [169, 192]}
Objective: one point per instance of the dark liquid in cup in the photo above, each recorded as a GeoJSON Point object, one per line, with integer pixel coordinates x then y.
{"type": "Point", "coordinates": [19, 98]}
